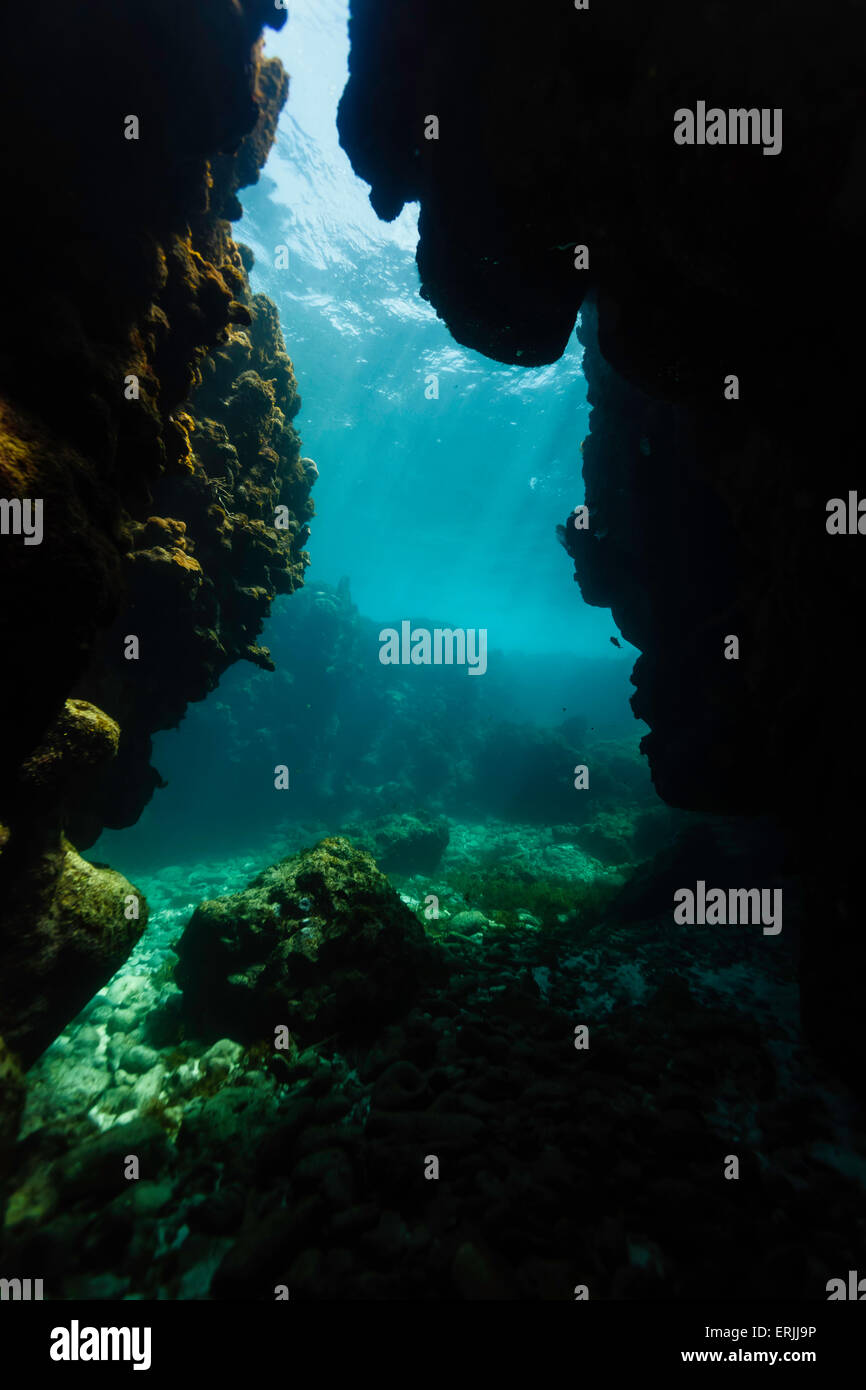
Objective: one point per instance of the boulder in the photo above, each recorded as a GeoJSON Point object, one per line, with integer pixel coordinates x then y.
{"type": "Point", "coordinates": [319, 942]}
{"type": "Point", "coordinates": [66, 925]}
{"type": "Point", "coordinates": [609, 837]}
{"type": "Point", "coordinates": [407, 844]}
{"type": "Point", "coordinates": [63, 935]}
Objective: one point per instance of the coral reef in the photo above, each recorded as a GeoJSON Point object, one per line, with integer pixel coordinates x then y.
{"type": "Point", "coordinates": [306, 1166]}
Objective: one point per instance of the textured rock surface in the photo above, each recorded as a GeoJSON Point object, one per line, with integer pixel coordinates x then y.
{"type": "Point", "coordinates": [682, 245]}
{"type": "Point", "coordinates": [404, 844]}
{"type": "Point", "coordinates": [158, 514]}
{"type": "Point", "coordinates": [320, 942]}
{"type": "Point", "coordinates": [65, 925]}
{"type": "Point", "coordinates": [662, 552]}
{"type": "Point", "coordinates": [203, 570]}
{"type": "Point", "coordinates": [65, 932]}
{"type": "Point", "coordinates": [306, 1167]}
{"type": "Point", "coordinates": [146, 402]}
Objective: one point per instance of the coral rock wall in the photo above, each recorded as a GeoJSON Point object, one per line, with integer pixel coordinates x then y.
{"type": "Point", "coordinates": [146, 407]}
{"type": "Point", "coordinates": [202, 570]}
{"type": "Point", "coordinates": [124, 267]}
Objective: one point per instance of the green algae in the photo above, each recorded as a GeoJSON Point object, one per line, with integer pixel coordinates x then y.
{"type": "Point", "coordinates": [550, 900]}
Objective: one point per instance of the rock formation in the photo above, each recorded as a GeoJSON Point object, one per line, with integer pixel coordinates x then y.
{"type": "Point", "coordinates": [404, 844]}
{"type": "Point", "coordinates": [320, 943]}
{"type": "Point", "coordinates": [124, 268]}
{"type": "Point", "coordinates": [146, 402]}
{"type": "Point", "coordinates": [66, 925]}
{"type": "Point", "coordinates": [203, 569]}
{"type": "Point", "coordinates": [707, 505]}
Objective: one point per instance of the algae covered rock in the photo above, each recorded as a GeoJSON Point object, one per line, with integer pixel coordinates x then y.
{"type": "Point", "coordinates": [66, 925]}
{"type": "Point", "coordinates": [158, 460]}
{"type": "Point", "coordinates": [78, 745]}
{"type": "Point", "coordinates": [405, 844]}
{"type": "Point", "coordinates": [471, 920]}
{"type": "Point", "coordinates": [609, 837]}
{"type": "Point", "coordinates": [320, 942]}
{"type": "Point", "coordinates": [66, 928]}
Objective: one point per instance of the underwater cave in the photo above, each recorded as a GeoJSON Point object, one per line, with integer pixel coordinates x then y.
{"type": "Point", "coordinates": [429, 791]}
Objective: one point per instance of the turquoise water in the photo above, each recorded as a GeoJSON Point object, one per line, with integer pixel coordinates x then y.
{"type": "Point", "coordinates": [445, 507]}
{"type": "Point", "coordinates": [432, 511]}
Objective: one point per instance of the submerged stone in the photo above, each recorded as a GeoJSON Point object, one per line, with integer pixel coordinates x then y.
{"type": "Point", "coordinates": [406, 843]}
{"type": "Point", "coordinates": [66, 930]}
{"type": "Point", "coordinates": [320, 942]}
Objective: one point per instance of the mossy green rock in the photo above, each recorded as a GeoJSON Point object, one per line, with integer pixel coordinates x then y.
{"type": "Point", "coordinates": [81, 739]}
{"type": "Point", "coordinates": [320, 942]}
{"type": "Point", "coordinates": [64, 931]}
